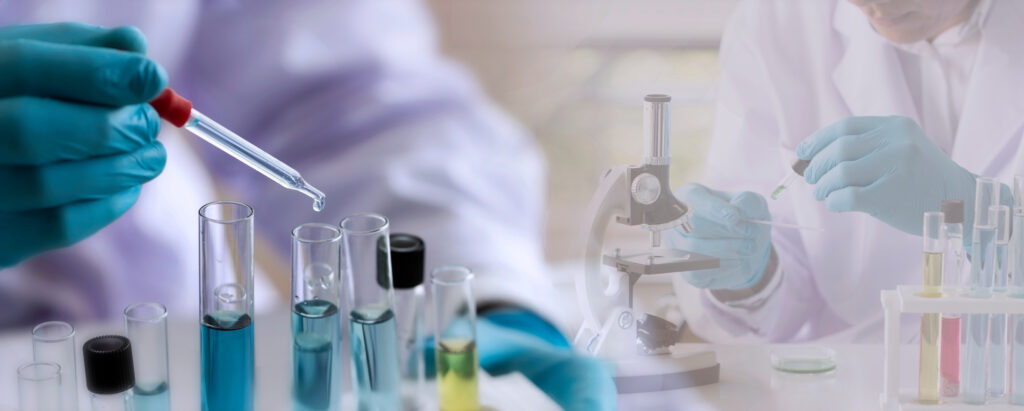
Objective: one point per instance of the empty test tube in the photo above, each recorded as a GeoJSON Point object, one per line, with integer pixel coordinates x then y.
{"type": "Point", "coordinates": [145, 324]}
{"type": "Point", "coordinates": [931, 287]}
{"type": "Point", "coordinates": [797, 172]}
{"type": "Point", "coordinates": [455, 338]}
{"type": "Point", "coordinates": [39, 387]}
{"type": "Point", "coordinates": [316, 317]}
{"type": "Point", "coordinates": [997, 355]}
{"type": "Point", "coordinates": [54, 342]}
{"type": "Point", "coordinates": [407, 262]}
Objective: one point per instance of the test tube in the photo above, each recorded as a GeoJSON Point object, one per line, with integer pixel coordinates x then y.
{"type": "Point", "coordinates": [54, 342]}
{"type": "Point", "coordinates": [952, 267]}
{"type": "Point", "coordinates": [931, 287]}
{"type": "Point", "coordinates": [109, 373]}
{"type": "Point", "coordinates": [316, 318]}
{"type": "Point", "coordinates": [1016, 290]}
{"type": "Point", "coordinates": [983, 256]}
{"type": "Point", "coordinates": [455, 338]}
{"type": "Point", "coordinates": [407, 262]}
{"type": "Point", "coordinates": [369, 296]}
{"type": "Point", "coordinates": [145, 324]}
{"type": "Point", "coordinates": [39, 387]}
{"type": "Point", "coordinates": [797, 172]}
{"type": "Point", "coordinates": [997, 331]}
{"type": "Point", "coordinates": [226, 306]}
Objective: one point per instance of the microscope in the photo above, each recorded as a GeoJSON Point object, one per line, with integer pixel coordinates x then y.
{"type": "Point", "coordinates": [635, 347]}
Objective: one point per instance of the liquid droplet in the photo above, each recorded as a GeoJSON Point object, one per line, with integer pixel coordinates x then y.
{"type": "Point", "coordinates": [318, 204]}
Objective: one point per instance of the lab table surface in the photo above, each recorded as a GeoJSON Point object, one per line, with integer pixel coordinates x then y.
{"type": "Point", "coordinates": [747, 380]}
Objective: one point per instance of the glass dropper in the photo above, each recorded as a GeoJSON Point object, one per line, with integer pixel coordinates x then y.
{"type": "Point", "coordinates": [797, 172]}
{"type": "Point", "coordinates": [178, 111]}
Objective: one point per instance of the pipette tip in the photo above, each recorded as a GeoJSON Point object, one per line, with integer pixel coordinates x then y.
{"type": "Point", "coordinates": [319, 199]}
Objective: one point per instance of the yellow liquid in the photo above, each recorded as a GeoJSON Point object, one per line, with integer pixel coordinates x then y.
{"type": "Point", "coordinates": [931, 282]}
{"type": "Point", "coordinates": [928, 374]}
{"type": "Point", "coordinates": [931, 330]}
{"type": "Point", "coordinates": [456, 375]}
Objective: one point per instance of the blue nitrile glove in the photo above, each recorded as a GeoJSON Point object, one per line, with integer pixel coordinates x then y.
{"type": "Point", "coordinates": [886, 167]}
{"type": "Point", "coordinates": [77, 136]}
{"type": "Point", "coordinates": [719, 231]}
{"type": "Point", "coordinates": [510, 340]}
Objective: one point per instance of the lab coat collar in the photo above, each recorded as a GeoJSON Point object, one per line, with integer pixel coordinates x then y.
{"type": "Point", "coordinates": [868, 75]}
{"type": "Point", "coordinates": [994, 108]}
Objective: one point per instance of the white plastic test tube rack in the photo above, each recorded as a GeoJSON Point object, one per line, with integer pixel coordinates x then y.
{"type": "Point", "coordinates": [905, 300]}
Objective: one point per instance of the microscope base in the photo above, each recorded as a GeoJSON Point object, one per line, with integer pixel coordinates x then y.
{"type": "Point", "coordinates": [664, 372]}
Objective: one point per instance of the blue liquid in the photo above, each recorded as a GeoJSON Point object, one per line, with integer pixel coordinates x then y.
{"type": "Point", "coordinates": [1017, 367]}
{"type": "Point", "coordinates": [997, 357]}
{"type": "Point", "coordinates": [974, 359]}
{"type": "Point", "coordinates": [1016, 280]}
{"type": "Point", "coordinates": [157, 399]}
{"type": "Point", "coordinates": [227, 361]}
{"type": "Point", "coordinates": [375, 365]}
{"type": "Point", "coordinates": [983, 262]}
{"type": "Point", "coordinates": [316, 356]}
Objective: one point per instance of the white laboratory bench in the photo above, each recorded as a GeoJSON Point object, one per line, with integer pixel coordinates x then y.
{"type": "Point", "coordinates": [747, 380]}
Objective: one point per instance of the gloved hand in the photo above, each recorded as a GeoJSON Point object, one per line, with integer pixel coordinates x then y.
{"type": "Point", "coordinates": [511, 340]}
{"type": "Point", "coordinates": [885, 167]}
{"type": "Point", "coordinates": [719, 231]}
{"type": "Point", "coordinates": [78, 137]}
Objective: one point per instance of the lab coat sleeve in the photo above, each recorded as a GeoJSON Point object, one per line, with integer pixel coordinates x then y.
{"type": "Point", "coordinates": [355, 96]}
{"type": "Point", "coordinates": [746, 155]}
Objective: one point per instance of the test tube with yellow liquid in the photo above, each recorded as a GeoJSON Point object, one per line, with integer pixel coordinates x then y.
{"type": "Point", "coordinates": [455, 338]}
{"type": "Point", "coordinates": [931, 287]}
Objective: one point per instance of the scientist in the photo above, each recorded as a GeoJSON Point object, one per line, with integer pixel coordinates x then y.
{"type": "Point", "coordinates": [897, 104]}
{"type": "Point", "coordinates": [352, 93]}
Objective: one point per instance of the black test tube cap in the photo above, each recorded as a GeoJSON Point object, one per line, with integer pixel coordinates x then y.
{"type": "Point", "coordinates": [407, 256]}
{"type": "Point", "coordinates": [108, 364]}
{"type": "Point", "coordinates": [953, 211]}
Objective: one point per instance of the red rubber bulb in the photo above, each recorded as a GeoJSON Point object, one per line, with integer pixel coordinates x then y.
{"type": "Point", "coordinates": [172, 107]}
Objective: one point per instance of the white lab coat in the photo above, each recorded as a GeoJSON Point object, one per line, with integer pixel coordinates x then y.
{"type": "Point", "coordinates": [354, 95]}
{"type": "Point", "coordinates": [789, 70]}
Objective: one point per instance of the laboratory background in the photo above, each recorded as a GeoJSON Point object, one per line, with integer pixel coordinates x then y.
{"type": "Point", "coordinates": [467, 205]}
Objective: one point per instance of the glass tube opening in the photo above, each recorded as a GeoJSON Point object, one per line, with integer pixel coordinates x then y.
{"type": "Point", "coordinates": [451, 275]}
{"type": "Point", "coordinates": [145, 313]}
{"type": "Point", "coordinates": [53, 331]}
{"type": "Point", "coordinates": [225, 212]}
{"type": "Point", "coordinates": [364, 224]}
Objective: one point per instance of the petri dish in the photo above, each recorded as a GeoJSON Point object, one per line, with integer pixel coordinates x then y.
{"type": "Point", "coordinates": [804, 360]}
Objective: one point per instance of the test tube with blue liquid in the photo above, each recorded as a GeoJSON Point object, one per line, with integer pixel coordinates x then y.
{"type": "Point", "coordinates": [1016, 290]}
{"type": "Point", "coordinates": [997, 354]}
{"type": "Point", "coordinates": [983, 268]}
{"type": "Point", "coordinates": [226, 306]}
{"type": "Point", "coordinates": [370, 298]}
{"type": "Point", "coordinates": [316, 317]}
